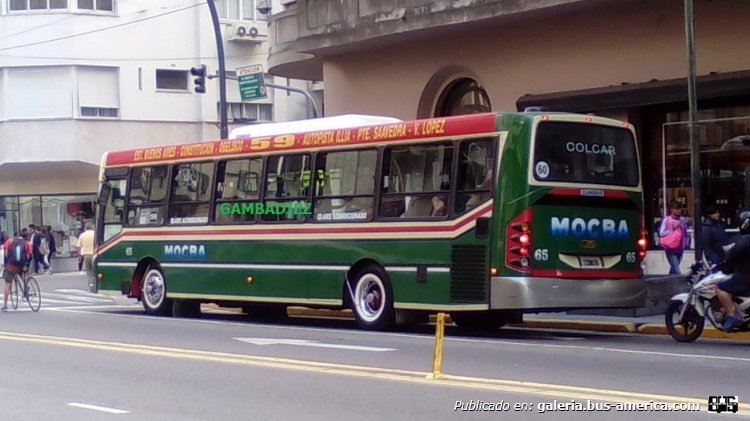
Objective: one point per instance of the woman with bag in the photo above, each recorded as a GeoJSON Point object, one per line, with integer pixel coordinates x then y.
{"type": "Point", "coordinates": [673, 237]}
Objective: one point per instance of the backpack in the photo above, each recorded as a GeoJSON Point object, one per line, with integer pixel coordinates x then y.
{"type": "Point", "coordinates": [43, 246]}
{"type": "Point", "coordinates": [17, 255]}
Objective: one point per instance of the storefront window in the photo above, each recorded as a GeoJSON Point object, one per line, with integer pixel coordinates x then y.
{"type": "Point", "coordinates": [31, 210]}
{"type": "Point", "coordinates": [9, 216]}
{"type": "Point", "coordinates": [65, 215]}
{"type": "Point", "coordinates": [724, 135]}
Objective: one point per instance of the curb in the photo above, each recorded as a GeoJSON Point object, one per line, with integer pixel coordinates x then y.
{"type": "Point", "coordinates": [597, 326]}
{"type": "Point", "coordinates": [539, 323]}
{"type": "Point", "coordinates": [708, 332]}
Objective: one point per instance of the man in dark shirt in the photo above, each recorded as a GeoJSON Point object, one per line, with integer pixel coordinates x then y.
{"type": "Point", "coordinates": [737, 264]}
{"type": "Point", "coordinates": [714, 236]}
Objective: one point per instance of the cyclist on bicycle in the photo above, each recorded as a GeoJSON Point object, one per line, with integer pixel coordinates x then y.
{"type": "Point", "coordinates": [17, 258]}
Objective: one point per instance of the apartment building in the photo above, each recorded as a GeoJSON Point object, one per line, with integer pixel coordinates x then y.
{"type": "Point", "coordinates": [80, 77]}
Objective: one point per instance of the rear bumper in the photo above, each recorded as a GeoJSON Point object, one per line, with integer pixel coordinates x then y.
{"type": "Point", "coordinates": [552, 293]}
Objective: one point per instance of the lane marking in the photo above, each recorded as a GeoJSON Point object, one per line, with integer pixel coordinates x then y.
{"type": "Point", "coordinates": [311, 343]}
{"type": "Point", "coordinates": [98, 408]}
{"type": "Point", "coordinates": [427, 337]}
{"type": "Point", "coordinates": [499, 385]}
{"type": "Point", "coordinates": [76, 309]}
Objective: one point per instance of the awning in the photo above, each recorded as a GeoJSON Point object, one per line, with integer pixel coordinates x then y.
{"type": "Point", "coordinates": [638, 94]}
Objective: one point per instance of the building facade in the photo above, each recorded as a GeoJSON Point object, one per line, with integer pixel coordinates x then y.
{"type": "Point", "coordinates": [80, 77]}
{"type": "Point", "coordinates": [624, 59]}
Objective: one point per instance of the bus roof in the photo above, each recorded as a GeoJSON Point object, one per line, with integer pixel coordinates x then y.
{"type": "Point", "coordinates": [325, 123]}
{"type": "Point", "coordinates": [311, 138]}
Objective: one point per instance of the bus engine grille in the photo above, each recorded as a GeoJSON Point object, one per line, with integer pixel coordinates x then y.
{"type": "Point", "coordinates": [469, 274]}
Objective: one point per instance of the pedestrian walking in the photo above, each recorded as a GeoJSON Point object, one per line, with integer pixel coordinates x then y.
{"type": "Point", "coordinates": [673, 236]}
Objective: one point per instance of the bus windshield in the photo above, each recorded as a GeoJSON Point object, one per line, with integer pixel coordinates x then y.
{"type": "Point", "coordinates": [585, 153]}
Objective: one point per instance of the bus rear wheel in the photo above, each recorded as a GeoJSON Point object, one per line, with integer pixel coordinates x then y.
{"type": "Point", "coordinates": [154, 293]}
{"type": "Point", "coordinates": [372, 301]}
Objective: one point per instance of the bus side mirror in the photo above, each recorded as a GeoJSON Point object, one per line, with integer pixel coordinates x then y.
{"type": "Point", "coordinates": [104, 191]}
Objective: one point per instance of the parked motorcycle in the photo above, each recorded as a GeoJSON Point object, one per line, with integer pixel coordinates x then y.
{"type": "Point", "coordinates": [688, 311]}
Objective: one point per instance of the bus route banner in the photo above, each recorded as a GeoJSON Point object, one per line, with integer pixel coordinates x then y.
{"type": "Point", "coordinates": [427, 128]}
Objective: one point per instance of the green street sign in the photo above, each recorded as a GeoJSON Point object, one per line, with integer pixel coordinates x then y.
{"type": "Point", "coordinates": [251, 83]}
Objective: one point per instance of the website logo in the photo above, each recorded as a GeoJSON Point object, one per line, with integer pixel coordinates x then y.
{"type": "Point", "coordinates": [721, 404]}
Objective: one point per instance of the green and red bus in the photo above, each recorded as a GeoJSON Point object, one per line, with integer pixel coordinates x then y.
{"type": "Point", "coordinates": [484, 216]}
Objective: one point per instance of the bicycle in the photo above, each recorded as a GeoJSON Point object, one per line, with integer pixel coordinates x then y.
{"type": "Point", "coordinates": [30, 292]}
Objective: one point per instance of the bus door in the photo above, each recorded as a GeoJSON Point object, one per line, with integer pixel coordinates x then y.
{"type": "Point", "coordinates": [586, 216]}
{"type": "Point", "coordinates": [111, 201]}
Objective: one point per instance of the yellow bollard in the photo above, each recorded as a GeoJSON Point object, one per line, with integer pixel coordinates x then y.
{"type": "Point", "coordinates": [437, 360]}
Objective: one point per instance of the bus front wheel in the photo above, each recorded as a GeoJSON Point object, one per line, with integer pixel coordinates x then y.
{"type": "Point", "coordinates": [154, 293]}
{"type": "Point", "coordinates": [372, 300]}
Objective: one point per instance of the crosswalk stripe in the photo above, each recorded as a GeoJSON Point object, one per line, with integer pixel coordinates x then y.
{"type": "Point", "coordinates": [46, 300]}
{"type": "Point", "coordinates": [80, 292]}
{"type": "Point", "coordinates": [77, 298]}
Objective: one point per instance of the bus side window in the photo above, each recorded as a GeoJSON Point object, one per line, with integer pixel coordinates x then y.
{"type": "Point", "coordinates": [344, 186]}
{"type": "Point", "coordinates": [190, 197]}
{"type": "Point", "coordinates": [416, 181]}
{"type": "Point", "coordinates": [237, 184]}
{"type": "Point", "coordinates": [476, 175]}
{"type": "Point", "coordinates": [287, 187]}
{"type": "Point", "coordinates": [148, 192]}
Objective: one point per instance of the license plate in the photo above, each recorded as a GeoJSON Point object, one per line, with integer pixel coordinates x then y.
{"type": "Point", "coordinates": [590, 262]}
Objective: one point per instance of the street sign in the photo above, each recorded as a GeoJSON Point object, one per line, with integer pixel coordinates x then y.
{"type": "Point", "coordinates": [251, 83]}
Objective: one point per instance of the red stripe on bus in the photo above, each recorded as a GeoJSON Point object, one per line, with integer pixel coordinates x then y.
{"type": "Point", "coordinates": [585, 273]}
{"type": "Point", "coordinates": [233, 230]}
{"type": "Point", "coordinates": [564, 191]}
{"type": "Point", "coordinates": [408, 130]}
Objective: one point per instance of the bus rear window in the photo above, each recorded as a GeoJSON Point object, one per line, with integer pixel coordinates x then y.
{"type": "Point", "coordinates": [585, 153]}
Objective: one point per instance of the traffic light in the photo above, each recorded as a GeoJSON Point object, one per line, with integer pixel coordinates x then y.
{"type": "Point", "coordinates": [200, 80]}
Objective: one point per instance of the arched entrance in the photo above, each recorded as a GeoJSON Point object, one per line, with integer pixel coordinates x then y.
{"type": "Point", "coordinates": [463, 96]}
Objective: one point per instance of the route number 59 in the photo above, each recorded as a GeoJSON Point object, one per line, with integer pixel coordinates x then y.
{"type": "Point", "coordinates": [541, 255]}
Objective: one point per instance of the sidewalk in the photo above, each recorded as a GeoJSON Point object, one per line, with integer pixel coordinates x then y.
{"type": "Point", "coordinates": [650, 325]}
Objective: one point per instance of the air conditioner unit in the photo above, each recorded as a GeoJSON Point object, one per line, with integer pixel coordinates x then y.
{"type": "Point", "coordinates": [242, 32]}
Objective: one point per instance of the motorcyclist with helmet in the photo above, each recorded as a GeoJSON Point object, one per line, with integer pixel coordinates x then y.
{"type": "Point", "coordinates": [737, 264]}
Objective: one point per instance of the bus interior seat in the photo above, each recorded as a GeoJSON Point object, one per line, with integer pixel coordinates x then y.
{"type": "Point", "coordinates": [418, 206]}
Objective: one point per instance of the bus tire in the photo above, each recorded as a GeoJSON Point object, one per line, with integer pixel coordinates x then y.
{"type": "Point", "coordinates": [479, 320]}
{"type": "Point", "coordinates": [154, 293]}
{"type": "Point", "coordinates": [373, 299]}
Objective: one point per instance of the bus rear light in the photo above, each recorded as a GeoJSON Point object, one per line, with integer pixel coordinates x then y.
{"type": "Point", "coordinates": [493, 271]}
{"type": "Point", "coordinates": [642, 243]}
{"type": "Point", "coordinates": [518, 242]}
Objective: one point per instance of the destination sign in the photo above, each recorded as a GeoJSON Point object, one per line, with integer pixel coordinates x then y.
{"type": "Point", "coordinates": [436, 127]}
